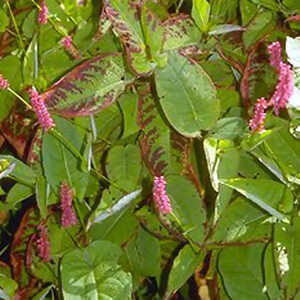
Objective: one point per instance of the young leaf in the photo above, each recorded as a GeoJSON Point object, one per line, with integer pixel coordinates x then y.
{"type": "Point", "coordinates": [194, 95]}
{"type": "Point", "coordinates": [122, 15]}
{"type": "Point", "coordinates": [200, 13]}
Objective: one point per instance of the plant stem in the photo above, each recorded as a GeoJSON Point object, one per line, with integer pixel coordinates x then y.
{"type": "Point", "coordinates": [15, 25]}
{"type": "Point", "coordinates": [20, 98]}
{"type": "Point", "coordinates": [69, 145]}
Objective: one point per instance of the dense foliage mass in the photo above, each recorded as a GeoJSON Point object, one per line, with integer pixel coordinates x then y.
{"type": "Point", "coordinates": [150, 149]}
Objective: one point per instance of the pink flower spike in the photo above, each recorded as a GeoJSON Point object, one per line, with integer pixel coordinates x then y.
{"type": "Point", "coordinates": [67, 43]}
{"type": "Point", "coordinates": [40, 109]}
{"type": "Point", "coordinates": [284, 88]}
{"type": "Point", "coordinates": [43, 243]}
{"type": "Point", "coordinates": [43, 13]}
{"type": "Point", "coordinates": [3, 83]}
{"type": "Point", "coordinates": [160, 196]}
{"type": "Point", "coordinates": [257, 122]}
{"type": "Point", "coordinates": [275, 55]}
{"type": "Point", "coordinates": [68, 216]}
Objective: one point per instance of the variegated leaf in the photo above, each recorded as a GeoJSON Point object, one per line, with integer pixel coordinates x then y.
{"type": "Point", "coordinates": [88, 88]}
{"type": "Point", "coordinates": [155, 147]}
{"type": "Point", "coordinates": [124, 18]}
{"type": "Point", "coordinates": [163, 150]}
{"type": "Point", "coordinates": [180, 32]}
{"type": "Point", "coordinates": [151, 19]}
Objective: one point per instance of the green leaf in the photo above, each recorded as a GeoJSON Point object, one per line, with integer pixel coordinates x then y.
{"type": "Point", "coordinates": [144, 254]}
{"type": "Point", "coordinates": [186, 205]}
{"type": "Point", "coordinates": [42, 195]}
{"type": "Point", "coordinates": [183, 268]}
{"type": "Point", "coordinates": [229, 128]}
{"type": "Point", "coordinates": [59, 163]}
{"type": "Point", "coordinates": [223, 162]}
{"type": "Point", "coordinates": [4, 20]}
{"type": "Point", "coordinates": [88, 88]}
{"type": "Point", "coordinates": [200, 13]}
{"type": "Point", "coordinates": [8, 286]}
{"type": "Point", "coordinates": [152, 13]}
{"type": "Point", "coordinates": [278, 144]}
{"type": "Point", "coordinates": [129, 105]}
{"type": "Point", "coordinates": [194, 95]}
{"type": "Point", "coordinates": [21, 172]}
{"type": "Point", "coordinates": [270, 274]}
{"type": "Point", "coordinates": [18, 193]}
{"type": "Point", "coordinates": [124, 166]}
{"type": "Point", "coordinates": [10, 68]}
{"type": "Point", "coordinates": [93, 274]}
{"type": "Point", "coordinates": [248, 11]}
{"type": "Point", "coordinates": [29, 62]}
{"type": "Point", "coordinates": [180, 31]}
{"type": "Point", "coordinates": [123, 18]}
{"type": "Point", "coordinates": [270, 4]}
{"type": "Point", "coordinates": [29, 23]}
{"type": "Point", "coordinates": [287, 243]}
{"type": "Point", "coordinates": [43, 293]}
{"type": "Point", "coordinates": [236, 220]}
{"type": "Point", "coordinates": [117, 223]}
{"type": "Point", "coordinates": [262, 24]}
{"type": "Point", "coordinates": [267, 194]}
{"type": "Point", "coordinates": [241, 272]}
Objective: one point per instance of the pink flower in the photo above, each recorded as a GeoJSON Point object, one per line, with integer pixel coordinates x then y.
{"type": "Point", "coordinates": [67, 43]}
{"type": "Point", "coordinates": [3, 83]}
{"type": "Point", "coordinates": [43, 243]}
{"type": "Point", "coordinates": [257, 122]}
{"type": "Point", "coordinates": [43, 13]}
{"type": "Point", "coordinates": [160, 196]}
{"type": "Point", "coordinates": [284, 88]}
{"type": "Point", "coordinates": [68, 217]}
{"type": "Point", "coordinates": [275, 55]}
{"type": "Point", "coordinates": [40, 109]}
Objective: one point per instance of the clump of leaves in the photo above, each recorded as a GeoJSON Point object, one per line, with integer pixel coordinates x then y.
{"type": "Point", "coordinates": [149, 149]}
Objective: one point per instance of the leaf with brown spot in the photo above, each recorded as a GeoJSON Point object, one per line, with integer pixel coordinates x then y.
{"type": "Point", "coordinates": [180, 31]}
{"type": "Point", "coordinates": [163, 150]}
{"type": "Point", "coordinates": [124, 16]}
{"type": "Point", "coordinates": [88, 88]}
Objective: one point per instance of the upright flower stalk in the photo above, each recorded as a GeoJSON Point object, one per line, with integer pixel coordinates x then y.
{"type": "Point", "coordinates": [67, 43]}
{"type": "Point", "coordinates": [284, 87]}
{"type": "Point", "coordinates": [161, 199]}
{"type": "Point", "coordinates": [283, 90]}
{"type": "Point", "coordinates": [257, 122]}
{"type": "Point", "coordinates": [43, 243]}
{"type": "Point", "coordinates": [43, 13]}
{"type": "Point", "coordinates": [40, 109]}
{"type": "Point", "coordinates": [68, 216]}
